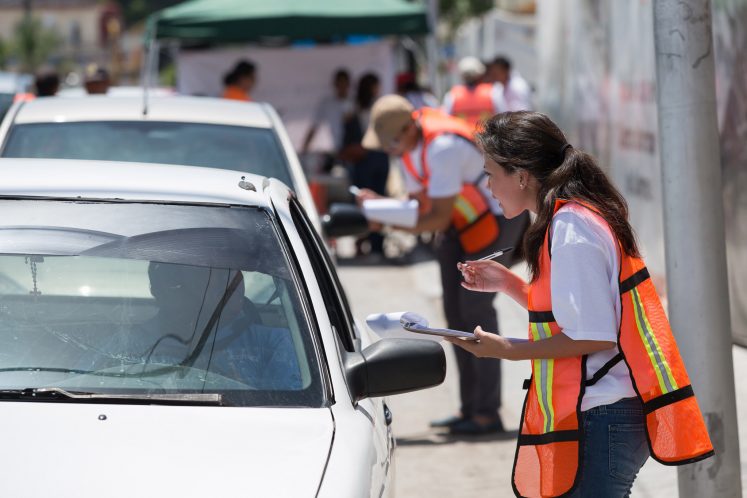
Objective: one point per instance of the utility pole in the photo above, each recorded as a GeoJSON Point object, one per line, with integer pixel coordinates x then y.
{"type": "Point", "coordinates": [431, 47]}
{"type": "Point", "coordinates": [694, 233]}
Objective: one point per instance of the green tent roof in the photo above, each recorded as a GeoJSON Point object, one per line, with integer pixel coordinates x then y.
{"type": "Point", "coordinates": [246, 20]}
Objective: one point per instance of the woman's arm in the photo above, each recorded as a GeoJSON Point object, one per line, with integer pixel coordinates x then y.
{"type": "Point", "coordinates": [558, 346]}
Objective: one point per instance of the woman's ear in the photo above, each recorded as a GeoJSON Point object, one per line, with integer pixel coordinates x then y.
{"type": "Point", "coordinates": [523, 180]}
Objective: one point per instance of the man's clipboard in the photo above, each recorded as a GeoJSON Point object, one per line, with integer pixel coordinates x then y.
{"type": "Point", "coordinates": [423, 329]}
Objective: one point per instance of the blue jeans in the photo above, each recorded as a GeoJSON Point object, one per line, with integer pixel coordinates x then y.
{"type": "Point", "coordinates": [615, 449]}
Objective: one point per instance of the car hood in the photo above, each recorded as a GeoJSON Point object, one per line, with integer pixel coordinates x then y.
{"type": "Point", "coordinates": [83, 450]}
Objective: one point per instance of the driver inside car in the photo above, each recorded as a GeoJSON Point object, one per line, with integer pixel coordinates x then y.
{"type": "Point", "coordinates": [204, 321]}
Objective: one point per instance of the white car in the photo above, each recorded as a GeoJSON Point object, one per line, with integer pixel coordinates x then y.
{"type": "Point", "coordinates": [192, 131]}
{"type": "Point", "coordinates": [180, 331]}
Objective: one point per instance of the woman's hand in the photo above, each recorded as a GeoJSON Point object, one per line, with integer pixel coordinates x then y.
{"type": "Point", "coordinates": [558, 346]}
{"type": "Point", "coordinates": [488, 345]}
{"type": "Point", "coordinates": [364, 194]}
{"type": "Point", "coordinates": [485, 276]}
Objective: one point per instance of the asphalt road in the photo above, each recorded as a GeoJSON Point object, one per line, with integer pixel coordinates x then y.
{"type": "Point", "coordinates": [430, 463]}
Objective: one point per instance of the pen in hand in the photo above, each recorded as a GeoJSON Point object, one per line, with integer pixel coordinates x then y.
{"type": "Point", "coordinates": [463, 266]}
{"type": "Point", "coordinates": [496, 254]}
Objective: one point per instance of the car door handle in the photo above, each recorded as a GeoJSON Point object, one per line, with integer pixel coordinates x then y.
{"type": "Point", "coordinates": [387, 415]}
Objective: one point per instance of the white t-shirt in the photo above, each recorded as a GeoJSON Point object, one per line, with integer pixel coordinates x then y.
{"type": "Point", "coordinates": [452, 161]}
{"type": "Point", "coordinates": [586, 295]}
{"type": "Point", "coordinates": [518, 94]}
{"type": "Point", "coordinates": [331, 112]}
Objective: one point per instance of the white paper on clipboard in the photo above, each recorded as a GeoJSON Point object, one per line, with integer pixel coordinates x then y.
{"type": "Point", "coordinates": [392, 211]}
{"type": "Point", "coordinates": [416, 323]}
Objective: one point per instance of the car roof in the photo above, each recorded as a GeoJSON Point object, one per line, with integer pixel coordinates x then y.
{"type": "Point", "coordinates": [107, 180]}
{"type": "Point", "coordinates": [160, 108]}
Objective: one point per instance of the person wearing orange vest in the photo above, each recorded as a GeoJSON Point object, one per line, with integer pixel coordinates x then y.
{"type": "Point", "coordinates": [442, 168]}
{"type": "Point", "coordinates": [239, 82]}
{"type": "Point", "coordinates": [474, 100]}
{"type": "Point", "coordinates": [608, 387]}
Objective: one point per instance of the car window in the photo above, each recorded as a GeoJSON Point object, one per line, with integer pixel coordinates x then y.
{"type": "Point", "coordinates": [152, 298]}
{"type": "Point", "coordinates": [6, 100]}
{"type": "Point", "coordinates": [333, 293]}
{"type": "Point", "coordinates": [253, 150]}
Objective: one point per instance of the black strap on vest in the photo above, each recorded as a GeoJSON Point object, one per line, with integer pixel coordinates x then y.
{"type": "Point", "coordinates": [633, 280]}
{"type": "Point", "coordinates": [541, 316]}
{"type": "Point", "coordinates": [604, 369]}
{"type": "Point", "coordinates": [548, 437]}
{"type": "Point", "coordinates": [667, 399]}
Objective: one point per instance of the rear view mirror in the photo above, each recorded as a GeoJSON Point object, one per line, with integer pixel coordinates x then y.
{"type": "Point", "coordinates": [344, 220]}
{"type": "Point", "coordinates": [394, 366]}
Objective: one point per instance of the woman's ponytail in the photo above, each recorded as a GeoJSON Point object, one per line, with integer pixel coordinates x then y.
{"type": "Point", "coordinates": [530, 141]}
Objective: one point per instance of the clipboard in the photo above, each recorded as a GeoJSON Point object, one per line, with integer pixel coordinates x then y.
{"type": "Point", "coordinates": [422, 329]}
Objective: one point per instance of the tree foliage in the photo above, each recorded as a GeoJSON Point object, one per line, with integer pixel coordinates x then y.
{"type": "Point", "coordinates": [3, 54]}
{"type": "Point", "coordinates": [455, 12]}
{"type": "Point", "coordinates": [32, 43]}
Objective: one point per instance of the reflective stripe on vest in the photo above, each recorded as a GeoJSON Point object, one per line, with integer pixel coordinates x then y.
{"type": "Point", "coordinates": [655, 354]}
{"type": "Point", "coordinates": [542, 371]}
{"type": "Point", "coordinates": [548, 454]}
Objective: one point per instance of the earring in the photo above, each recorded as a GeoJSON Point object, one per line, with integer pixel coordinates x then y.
{"type": "Point", "coordinates": [521, 186]}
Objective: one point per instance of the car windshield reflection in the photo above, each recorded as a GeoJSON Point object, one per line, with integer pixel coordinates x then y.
{"type": "Point", "coordinates": [145, 298]}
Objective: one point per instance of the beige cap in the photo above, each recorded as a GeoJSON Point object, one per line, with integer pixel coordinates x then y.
{"type": "Point", "coordinates": [470, 67]}
{"type": "Point", "coordinates": [389, 116]}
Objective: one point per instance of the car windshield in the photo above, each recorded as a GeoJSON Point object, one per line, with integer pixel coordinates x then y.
{"type": "Point", "coordinates": [139, 298]}
{"type": "Point", "coordinates": [242, 148]}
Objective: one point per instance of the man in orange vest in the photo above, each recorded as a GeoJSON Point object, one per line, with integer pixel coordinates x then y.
{"type": "Point", "coordinates": [474, 100]}
{"type": "Point", "coordinates": [240, 81]}
{"type": "Point", "coordinates": [443, 169]}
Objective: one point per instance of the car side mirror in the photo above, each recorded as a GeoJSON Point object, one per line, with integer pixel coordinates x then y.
{"type": "Point", "coordinates": [394, 366]}
{"type": "Point", "coordinates": [344, 220]}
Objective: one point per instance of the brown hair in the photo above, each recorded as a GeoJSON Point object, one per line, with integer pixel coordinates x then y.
{"type": "Point", "coordinates": [530, 141]}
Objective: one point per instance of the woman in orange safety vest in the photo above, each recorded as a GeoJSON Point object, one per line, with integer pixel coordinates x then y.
{"type": "Point", "coordinates": [608, 387]}
{"type": "Point", "coordinates": [239, 82]}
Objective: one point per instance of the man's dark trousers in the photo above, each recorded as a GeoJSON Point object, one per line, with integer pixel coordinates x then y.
{"type": "Point", "coordinates": [479, 378]}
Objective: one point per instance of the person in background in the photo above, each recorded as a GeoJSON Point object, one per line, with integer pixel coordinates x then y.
{"type": "Point", "coordinates": [516, 91]}
{"type": "Point", "coordinates": [473, 100]}
{"type": "Point", "coordinates": [47, 83]}
{"type": "Point", "coordinates": [331, 111]}
{"type": "Point", "coordinates": [368, 168]}
{"type": "Point", "coordinates": [97, 80]}
{"type": "Point", "coordinates": [608, 386]}
{"type": "Point", "coordinates": [239, 82]}
{"type": "Point", "coordinates": [408, 87]}
{"type": "Point", "coordinates": [443, 169]}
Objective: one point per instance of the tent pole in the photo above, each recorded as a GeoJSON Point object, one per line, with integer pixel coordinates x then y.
{"type": "Point", "coordinates": [431, 44]}
{"type": "Point", "coordinates": [151, 54]}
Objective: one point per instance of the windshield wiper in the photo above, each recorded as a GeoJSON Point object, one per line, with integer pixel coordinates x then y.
{"type": "Point", "coordinates": [59, 394]}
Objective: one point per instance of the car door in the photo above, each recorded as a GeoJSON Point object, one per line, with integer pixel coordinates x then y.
{"type": "Point", "coordinates": [374, 410]}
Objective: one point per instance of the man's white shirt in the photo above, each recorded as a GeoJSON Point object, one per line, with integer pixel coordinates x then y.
{"type": "Point", "coordinates": [452, 161]}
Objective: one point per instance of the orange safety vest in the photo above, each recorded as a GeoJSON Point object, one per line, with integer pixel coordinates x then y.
{"type": "Point", "coordinates": [473, 103]}
{"type": "Point", "coordinates": [471, 217]}
{"type": "Point", "coordinates": [23, 97]}
{"type": "Point", "coordinates": [235, 93]}
{"type": "Point", "coordinates": [548, 453]}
